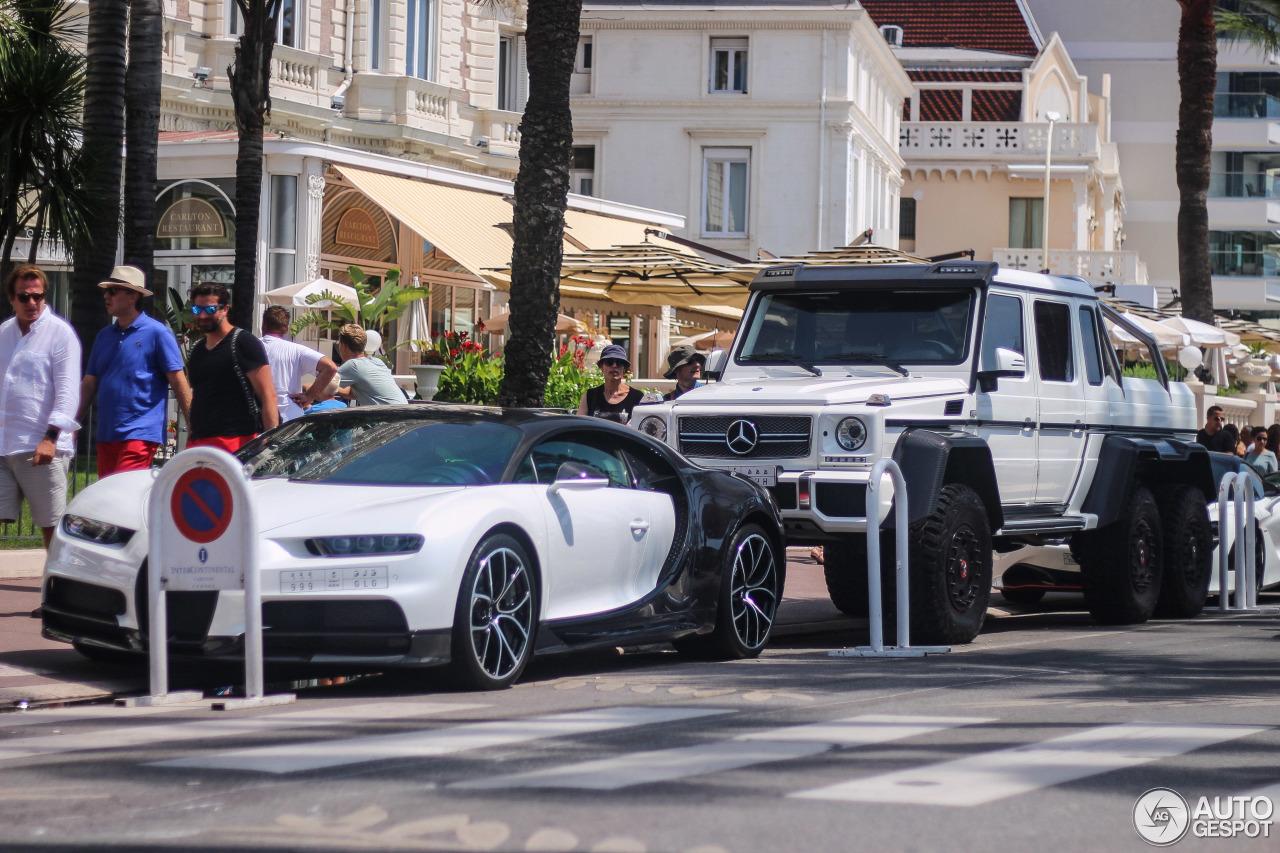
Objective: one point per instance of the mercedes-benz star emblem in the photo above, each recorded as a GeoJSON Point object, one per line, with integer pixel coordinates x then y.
{"type": "Point", "coordinates": [742, 437]}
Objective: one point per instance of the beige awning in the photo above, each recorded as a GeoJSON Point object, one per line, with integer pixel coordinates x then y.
{"type": "Point", "coordinates": [473, 226]}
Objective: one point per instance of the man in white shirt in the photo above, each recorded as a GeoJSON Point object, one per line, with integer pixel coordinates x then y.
{"type": "Point", "coordinates": [40, 366]}
{"type": "Point", "coordinates": [290, 362]}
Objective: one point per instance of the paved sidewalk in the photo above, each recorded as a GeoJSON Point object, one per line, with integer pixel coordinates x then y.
{"type": "Point", "coordinates": [40, 671]}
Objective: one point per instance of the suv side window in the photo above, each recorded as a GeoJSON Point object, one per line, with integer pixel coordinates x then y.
{"type": "Point", "coordinates": [1053, 341]}
{"type": "Point", "coordinates": [1002, 327]}
{"type": "Point", "coordinates": [1092, 354]}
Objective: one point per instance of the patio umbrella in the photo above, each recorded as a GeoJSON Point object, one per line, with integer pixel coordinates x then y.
{"type": "Point", "coordinates": [418, 327]}
{"type": "Point", "coordinates": [717, 339]}
{"type": "Point", "coordinates": [295, 295]}
{"type": "Point", "coordinates": [653, 274]}
{"type": "Point", "coordinates": [1202, 334]}
{"type": "Point", "coordinates": [1166, 337]}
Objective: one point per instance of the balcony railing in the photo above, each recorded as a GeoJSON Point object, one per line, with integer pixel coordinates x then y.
{"type": "Point", "coordinates": [1239, 262]}
{"type": "Point", "coordinates": [972, 139]}
{"type": "Point", "coordinates": [1093, 267]}
{"type": "Point", "coordinates": [1243, 185]}
{"type": "Point", "coordinates": [1245, 105]}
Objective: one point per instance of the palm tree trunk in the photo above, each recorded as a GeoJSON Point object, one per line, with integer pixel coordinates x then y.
{"type": "Point", "coordinates": [142, 126]}
{"type": "Point", "coordinates": [251, 96]}
{"type": "Point", "coordinates": [103, 136]}
{"type": "Point", "coordinates": [542, 189]}
{"type": "Point", "coordinates": [1197, 76]}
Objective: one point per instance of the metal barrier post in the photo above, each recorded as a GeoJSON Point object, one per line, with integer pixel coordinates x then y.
{"type": "Point", "coordinates": [875, 603]}
{"type": "Point", "coordinates": [1238, 489]}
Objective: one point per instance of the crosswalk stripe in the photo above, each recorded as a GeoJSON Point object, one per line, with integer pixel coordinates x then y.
{"type": "Point", "coordinates": [640, 768]}
{"type": "Point", "coordinates": [293, 758]}
{"type": "Point", "coordinates": [196, 730]}
{"type": "Point", "coordinates": [107, 713]}
{"type": "Point", "coordinates": [990, 776]}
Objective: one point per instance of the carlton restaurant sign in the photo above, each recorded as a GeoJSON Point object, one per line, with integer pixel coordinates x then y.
{"type": "Point", "coordinates": [191, 217]}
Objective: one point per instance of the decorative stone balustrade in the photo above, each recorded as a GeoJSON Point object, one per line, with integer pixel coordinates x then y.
{"type": "Point", "coordinates": [1093, 267]}
{"type": "Point", "coordinates": [974, 140]}
{"type": "Point", "coordinates": [297, 69]}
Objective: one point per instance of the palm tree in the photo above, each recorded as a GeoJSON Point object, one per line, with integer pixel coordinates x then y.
{"type": "Point", "coordinates": [142, 128]}
{"type": "Point", "coordinates": [251, 97]}
{"type": "Point", "coordinates": [103, 140]}
{"type": "Point", "coordinates": [1197, 77]}
{"type": "Point", "coordinates": [42, 84]}
{"type": "Point", "coordinates": [542, 189]}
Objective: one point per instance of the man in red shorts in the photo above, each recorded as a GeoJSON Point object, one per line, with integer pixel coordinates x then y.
{"type": "Point", "coordinates": [133, 364]}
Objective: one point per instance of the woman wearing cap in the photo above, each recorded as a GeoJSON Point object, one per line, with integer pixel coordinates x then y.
{"type": "Point", "coordinates": [613, 400]}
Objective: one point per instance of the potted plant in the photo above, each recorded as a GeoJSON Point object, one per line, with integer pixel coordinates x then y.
{"type": "Point", "coordinates": [435, 360]}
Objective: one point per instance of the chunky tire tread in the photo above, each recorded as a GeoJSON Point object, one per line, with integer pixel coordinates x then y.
{"type": "Point", "coordinates": [1117, 591]}
{"type": "Point", "coordinates": [1188, 553]}
{"type": "Point", "coordinates": [950, 569]}
{"type": "Point", "coordinates": [844, 565]}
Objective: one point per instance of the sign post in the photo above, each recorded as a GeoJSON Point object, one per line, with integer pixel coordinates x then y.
{"type": "Point", "coordinates": [203, 536]}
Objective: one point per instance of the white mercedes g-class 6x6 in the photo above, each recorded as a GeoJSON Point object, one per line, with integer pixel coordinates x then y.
{"type": "Point", "coordinates": [998, 394]}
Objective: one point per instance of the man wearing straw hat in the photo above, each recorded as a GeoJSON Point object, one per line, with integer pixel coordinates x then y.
{"type": "Point", "coordinates": [134, 363]}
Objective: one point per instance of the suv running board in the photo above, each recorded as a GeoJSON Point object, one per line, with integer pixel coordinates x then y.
{"type": "Point", "coordinates": [1056, 524]}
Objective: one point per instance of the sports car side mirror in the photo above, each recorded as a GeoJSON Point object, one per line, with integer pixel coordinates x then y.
{"type": "Point", "coordinates": [1007, 363]}
{"type": "Point", "coordinates": [575, 475]}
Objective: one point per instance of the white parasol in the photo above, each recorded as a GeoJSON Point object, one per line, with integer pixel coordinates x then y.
{"type": "Point", "coordinates": [295, 295]}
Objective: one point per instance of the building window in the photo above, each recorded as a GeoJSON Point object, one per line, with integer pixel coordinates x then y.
{"type": "Point", "coordinates": [1026, 218]}
{"type": "Point", "coordinates": [512, 74]}
{"type": "Point", "coordinates": [284, 230]}
{"type": "Point", "coordinates": [582, 172]}
{"type": "Point", "coordinates": [418, 61]}
{"type": "Point", "coordinates": [378, 34]}
{"type": "Point", "coordinates": [724, 191]}
{"type": "Point", "coordinates": [906, 219]}
{"type": "Point", "coordinates": [729, 65]}
{"type": "Point", "coordinates": [289, 23]}
{"type": "Point", "coordinates": [235, 23]}
{"type": "Point", "coordinates": [582, 63]}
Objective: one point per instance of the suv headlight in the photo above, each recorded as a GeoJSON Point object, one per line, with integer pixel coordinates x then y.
{"type": "Point", "coordinates": [851, 433]}
{"type": "Point", "coordinates": [365, 546]}
{"type": "Point", "coordinates": [91, 530]}
{"type": "Point", "coordinates": [654, 427]}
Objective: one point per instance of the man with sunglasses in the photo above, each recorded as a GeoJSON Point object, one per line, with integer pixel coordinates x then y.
{"type": "Point", "coordinates": [233, 398]}
{"type": "Point", "coordinates": [40, 366]}
{"type": "Point", "coordinates": [1213, 436]}
{"type": "Point", "coordinates": [133, 364]}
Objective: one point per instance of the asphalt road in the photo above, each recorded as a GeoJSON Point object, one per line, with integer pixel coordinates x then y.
{"type": "Point", "coordinates": [1041, 735]}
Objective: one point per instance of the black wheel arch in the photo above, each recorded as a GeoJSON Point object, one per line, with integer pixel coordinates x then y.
{"type": "Point", "coordinates": [1154, 462]}
{"type": "Point", "coordinates": [933, 458]}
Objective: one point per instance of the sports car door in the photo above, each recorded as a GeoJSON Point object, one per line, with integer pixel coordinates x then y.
{"type": "Point", "coordinates": [596, 535]}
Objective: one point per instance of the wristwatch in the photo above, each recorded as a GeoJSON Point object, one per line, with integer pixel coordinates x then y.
{"type": "Point", "coordinates": [52, 433]}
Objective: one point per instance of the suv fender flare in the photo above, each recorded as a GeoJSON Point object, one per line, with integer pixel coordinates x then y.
{"type": "Point", "coordinates": [933, 458]}
{"type": "Point", "coordinates": [1154, 462]}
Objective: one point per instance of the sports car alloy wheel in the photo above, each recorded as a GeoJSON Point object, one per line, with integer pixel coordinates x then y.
{"type": "Point", "coordinates": [496, 615]}
{"type": "Point", "coordinates": [753, 595]}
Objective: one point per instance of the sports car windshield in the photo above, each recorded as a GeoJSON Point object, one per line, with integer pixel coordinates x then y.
{"type": "Point", "coordinates": [885, 327]}
{"type": "Point", "coordinates": [370, 449]}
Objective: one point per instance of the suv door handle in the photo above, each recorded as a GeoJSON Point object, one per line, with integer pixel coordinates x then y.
{"type": "Point", "coordinates": [1029, 423]}
{"type": "Point", "coordinates": [639, 525]}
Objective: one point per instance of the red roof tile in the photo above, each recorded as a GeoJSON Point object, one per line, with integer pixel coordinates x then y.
{"type": "Point", "coordinates": [941, 105]}
{"type": "Point", "coordinates": [940, 76]}
{"type": "Point", "coordinates": [995, 25]}
{"type": "Point", "coordinates": [996, 105]}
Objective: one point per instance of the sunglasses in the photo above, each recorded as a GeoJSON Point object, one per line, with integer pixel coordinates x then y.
{"type": "Point", "coordinates": [112, 291]}
{"type": "Point", "coordinates": [24, 298]}
{"type": "Point", "coordinates": [206, 309]}
{"type": "Point", "coordinates": [612, 362]}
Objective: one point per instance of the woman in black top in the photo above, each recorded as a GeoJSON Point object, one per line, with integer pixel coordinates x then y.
{"type": "Point", "coordinates": [613, 400]}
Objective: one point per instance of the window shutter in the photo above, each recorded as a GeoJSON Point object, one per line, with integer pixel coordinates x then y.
{"type": "Point", "coordinates": [522, 76]}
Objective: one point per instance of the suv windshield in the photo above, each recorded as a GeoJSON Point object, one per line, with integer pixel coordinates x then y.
{"type": "Point", "coordinates": [881, 327]}
{"type": "Point", "coordinates": [371, 449]}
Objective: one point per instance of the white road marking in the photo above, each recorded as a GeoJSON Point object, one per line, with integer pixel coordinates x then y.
{"type": "Point", "coordinates": [990, 776]}
{"type": "Point", "coordinates": [10, 671]}
{"type": "Point", "coordinates": [639, 768]}
{"type": "Point", "coordinates": [294, 758]}
{"type": "Point", "coordinates": [197, 730]}
{"type": "Point", "coordinates": [88, 712]}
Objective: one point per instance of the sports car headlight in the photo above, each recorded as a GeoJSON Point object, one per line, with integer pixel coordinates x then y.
{"type": "Point", "coordinates": [851, 433]}
{"type": "Point", "coordinates": [655, 427]}
{"type": "Point", "coordinates": [95, 531]}
{"type": "Point", "coordinates": [365, 546]}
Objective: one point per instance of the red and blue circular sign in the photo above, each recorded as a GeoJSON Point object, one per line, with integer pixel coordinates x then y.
{"type": "Point", "coordinates": [201, 505]}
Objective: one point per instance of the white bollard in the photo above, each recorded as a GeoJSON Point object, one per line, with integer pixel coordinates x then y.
{"type": "Point", "coordinates": [875, 598]}
{"type": "Point", "coordinates": [1237, 488]}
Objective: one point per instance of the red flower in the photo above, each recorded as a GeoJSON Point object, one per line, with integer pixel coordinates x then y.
{"type": "Point", "coordinates": [454, 353]}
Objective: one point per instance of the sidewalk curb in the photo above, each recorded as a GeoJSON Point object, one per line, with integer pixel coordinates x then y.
{"type": "Point", "coordinates": [25, 563]}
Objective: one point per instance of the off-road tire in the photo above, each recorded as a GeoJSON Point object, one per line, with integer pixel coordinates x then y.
{"type": "Point", "coordinates": [1188, 553]}
{"type": "Point", "coordinates": [844, 565]}
{"type": "Point", "coordinates": [1023, 595]}
{"type": "Point", "coordinates": [950, 569]}
{"type": "Point", "coordinates": [1120, 565]}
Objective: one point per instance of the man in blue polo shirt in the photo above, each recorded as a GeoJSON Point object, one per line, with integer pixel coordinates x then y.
{"type": "Point", "coordinates": [133, 363]}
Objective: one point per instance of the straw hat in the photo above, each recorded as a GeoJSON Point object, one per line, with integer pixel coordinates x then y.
{"type": "Point", "coordinates": [130, 278]}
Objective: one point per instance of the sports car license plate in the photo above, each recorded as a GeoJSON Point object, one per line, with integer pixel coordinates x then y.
{"type": "Point", "coordinates": [765, 475]}
{"type": "Point", "coordinates": [328, 580]}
